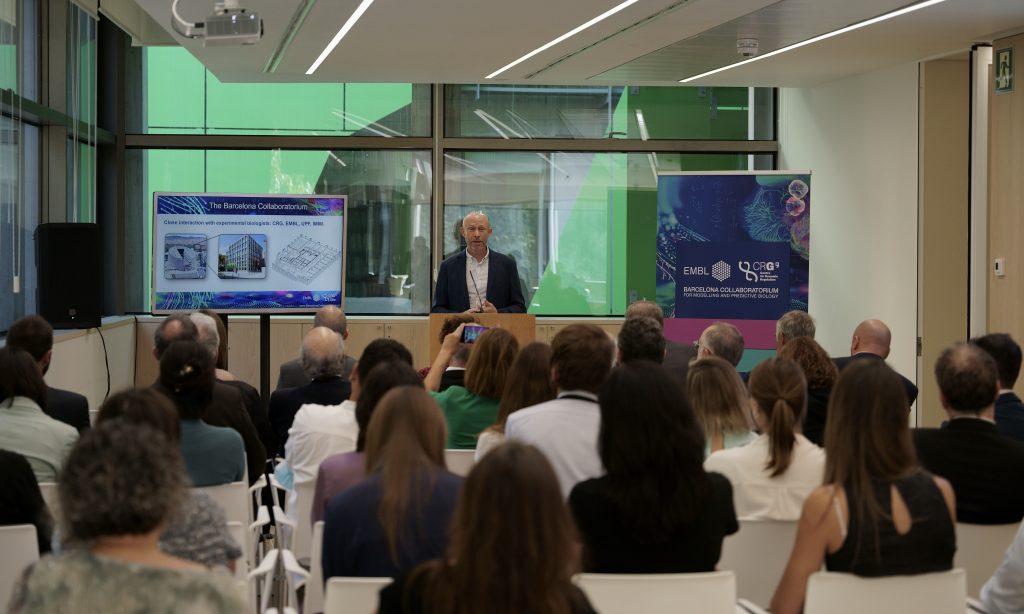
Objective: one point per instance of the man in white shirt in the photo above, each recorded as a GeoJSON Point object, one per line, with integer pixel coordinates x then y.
{"type": "Point", "coordinates": [566, 429]}
{"type": "Point", "coordinates": [319, 431]}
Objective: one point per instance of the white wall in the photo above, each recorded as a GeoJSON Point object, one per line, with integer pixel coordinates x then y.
{"type": "Point", "coordinates": [78, 364]}
{"type": "Point", "coordinates": [859, 137]}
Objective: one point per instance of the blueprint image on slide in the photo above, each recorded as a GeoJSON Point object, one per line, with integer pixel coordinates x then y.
{"type": "Point", "coordinates": [185, 257]}
{"type": "Point", "coordinates": [304, 259]}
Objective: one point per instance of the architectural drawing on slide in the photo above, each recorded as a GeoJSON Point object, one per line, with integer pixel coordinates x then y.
{"type": "Point", "coordinates": [185, 257]}
{"type": "Point", "coordinates": [303, 259]}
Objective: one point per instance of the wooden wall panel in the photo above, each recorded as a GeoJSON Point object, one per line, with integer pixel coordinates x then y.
{"type": "Point", "coordinates": [1006, 192]}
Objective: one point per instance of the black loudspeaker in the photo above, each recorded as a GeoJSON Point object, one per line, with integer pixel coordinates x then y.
{"type": "Point", "coordinates": [70, 280]}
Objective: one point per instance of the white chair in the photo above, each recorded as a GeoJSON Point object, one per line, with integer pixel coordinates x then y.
{"type": "Point", "coordinates": [295, 575]}
{"type": "Point", "coordinates": [841, 593]}
{"type": "Point", "coordinates": [689, 593]}
{"type": "Point", "coordinates": [51, 497]}
{"type": "Point", "coordinates": [314, 596]}
{"type": "Point", "coordinates": [93, 414]}
{"type": "Point", "coordinates": [980, 550]}
{"type": "Point", "coordinates": [299, 529]}
{"type": "Point", "coordinates": [459, 462]}
{"type": "Point", "coordinates": [353, 595]}
{"type": "Point", "coordinates": [234, 499]}
{"type": "Point", "coordinates": [758, 554]}
{"type": "Point", "coordinates": [20, 548]}
{"type": "Point", "coordinates": [263, 576]}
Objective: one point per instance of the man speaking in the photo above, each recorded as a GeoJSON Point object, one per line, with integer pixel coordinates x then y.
{"type": "Point", "coordinates": [478, 280]}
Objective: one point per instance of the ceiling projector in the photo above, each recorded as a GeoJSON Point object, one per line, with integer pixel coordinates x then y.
{"type": "Point", "coordinates": [230, 24]}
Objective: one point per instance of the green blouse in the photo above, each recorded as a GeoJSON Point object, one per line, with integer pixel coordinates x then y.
{"type": "Point", "coordinates": [467, 414]}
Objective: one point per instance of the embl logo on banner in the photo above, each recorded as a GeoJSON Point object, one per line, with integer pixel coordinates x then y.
{"type": "Point", "coordinates": [707, 288]}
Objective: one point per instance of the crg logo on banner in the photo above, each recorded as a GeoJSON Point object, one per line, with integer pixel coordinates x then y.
{"type": "Point", "coordinates": [759, 270]}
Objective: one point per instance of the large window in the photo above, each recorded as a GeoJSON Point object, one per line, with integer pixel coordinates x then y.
{"type": "Point", "coordinates": [578, 217]}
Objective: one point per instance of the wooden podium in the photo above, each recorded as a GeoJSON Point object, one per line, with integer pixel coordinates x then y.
{"type": "Point", "coordinates": [522, 325]}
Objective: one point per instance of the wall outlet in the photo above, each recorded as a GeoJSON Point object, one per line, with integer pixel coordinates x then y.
{"type": "Point", "coordinates": [1000, 267]}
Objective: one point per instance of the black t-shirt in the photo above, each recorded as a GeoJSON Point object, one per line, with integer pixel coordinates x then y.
{"type": "Point", "coordinates": [610, 540]}
{"type": "Point", "coordinates": [393, 598]}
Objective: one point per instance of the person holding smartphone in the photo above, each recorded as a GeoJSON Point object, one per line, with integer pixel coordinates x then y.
{"type": "Point", "coordinates": [472, 407]}
{"type": "Point", "coordinates": [478, 279]}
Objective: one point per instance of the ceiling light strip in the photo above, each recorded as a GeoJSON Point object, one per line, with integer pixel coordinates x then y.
{"type": "Point", "coordinates": [365, 4]}
{"type": "Point", "coordinates": [810, 41]}
{"type": "Point", "coordinates": [570, 33]}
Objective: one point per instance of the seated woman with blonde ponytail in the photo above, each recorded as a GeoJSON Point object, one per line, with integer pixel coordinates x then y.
{"type": "Point", "coordinates": [772, 475]}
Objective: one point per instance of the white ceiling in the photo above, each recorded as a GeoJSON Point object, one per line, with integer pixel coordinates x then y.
{"type": "Point", "coordinates": [652, 42]}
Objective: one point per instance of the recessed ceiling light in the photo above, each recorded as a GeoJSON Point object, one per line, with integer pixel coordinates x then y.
{"type": "Point", "coordinates": [573, 32]}
{"type": "Point", "coordinates": [365, 4]}
{"type": "Point", "coordinates": [810, 41]}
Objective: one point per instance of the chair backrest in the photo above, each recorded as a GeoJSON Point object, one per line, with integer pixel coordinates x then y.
{"type": "Point", "coordinates": [459, 462]}
{"type": "Point", "coordinates": [93, 415]}
{"type": "Point", "coordinates": [51, 497]}
{"type": "Point", "coordinates": [841, 593]}
{"type": "Point", "coordinates": [20, 548]}
{"type": "Point", "coordinates": [300, 542]}
{"type": "Point", "coordinates": [237, 531]}
{"type": "Point", "coordinates": [980, 549]}
{"type": "Point", "coordinates": [314, 596]}
{"type": "Point", "coordinates": [353, 595]}
{"type": "Point", "coordinates": [692, 593]}
{"type": "Point", "coordinates": [757, 554]}
{"type": "Point", "coordinates": [234, 500]}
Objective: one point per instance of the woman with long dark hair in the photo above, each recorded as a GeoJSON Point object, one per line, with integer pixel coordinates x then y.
{"type": "Point", "coordinates": [878, 513]}
{"type": "Point", "coordinates": [655, 510]}
{"type": "Point", "coordinates": [820, 373]}
{"type": "Point", "coordinates": [772, 476]}
{"type": "Point", "coordinates": [398, 516]}
{"type": "Point", "coordinates": [511, 550]}
{"type": "Point", "coordinates": [528, 384]}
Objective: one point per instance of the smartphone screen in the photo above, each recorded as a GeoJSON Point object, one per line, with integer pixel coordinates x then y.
{"type": "Point", "coordinates": [471, 331]}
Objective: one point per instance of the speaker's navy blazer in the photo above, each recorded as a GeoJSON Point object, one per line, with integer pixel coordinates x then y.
{"type": "Point", "coordinates": [503, 290]}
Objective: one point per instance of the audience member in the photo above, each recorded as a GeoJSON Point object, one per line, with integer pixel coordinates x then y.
{"type": "Point", "coordinates": [772, 476]}
{"type": "Point", "coordinates": [871, 341]}
{"type": "Point", "coordinates": [340, 471]}
{"type": "Point", "coordinates": [878, 513]}
{"type": "Point", "coordinates": [721, 339]}
{"type": "Point", "coordinates": [222, 338]}
{"type": "Point", "coordinates": [470, 409]}
{"type": "Point", "coordinates": [985, 467]}
{"type": "Point", "coordinates": [398, 516]}
{"type": "Point", "coordinates": [677, 355]}
{"type": "Point", "coordinates": [820, 373]}
{"type": "Point", "coordinates": [719, 400]}
{"type": "Point", "coordinates": [565, 429]}
{"type": "Point", "coordinates": [211, 331]}
{"type": "Point", "coordinates": [1004, 591]}
{"type": "Point", "coordinates": [198, 532]}
{"type": "Point", "coordinates": [226, 407]}
{"type": "Point", "coordinates": [793, 325]}
{"type": "Point", "coordinates": [24, 428]}
{"type": "Point", "coordinates": [21, 501]}
{"type": "Point", "coordinates": [120, 486]}
{"type": "Point", "coordinates": [35, 335]}
{"type": "Point", "coordinates": [511, 548]}
{"type": "Point", "coordinates": [655, 510]}
{"type": "Point", "coordinates": [455, 373]}
{"type": "Point", "coordinates": [292, 374]}
{"type": "Point", "coordinates": [528, 383]}
{"type": "Point", "coordinates": [213, 454]}
{"type": "Point", "coordinates": [1009, 409]}
{"type": "Point", "coordinates": [640, 338]}
{"type": "Point", "coordinates": [322, 355]}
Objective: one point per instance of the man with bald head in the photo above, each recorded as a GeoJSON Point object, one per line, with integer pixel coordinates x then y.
{"type": "Point", "coordinates": [985, 468]}
{"type": "Point", "coordinates": [478, 279]}
{"type": "Point", "coordinates": [871, 341]}
{"type": "Point", "coordinates": [292, 374]}
{"type": "Point", "coordinates": [322, 356]}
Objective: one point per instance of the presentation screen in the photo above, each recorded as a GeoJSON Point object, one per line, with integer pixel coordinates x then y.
{"type": "Point", "coordinates": [248, 252]}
